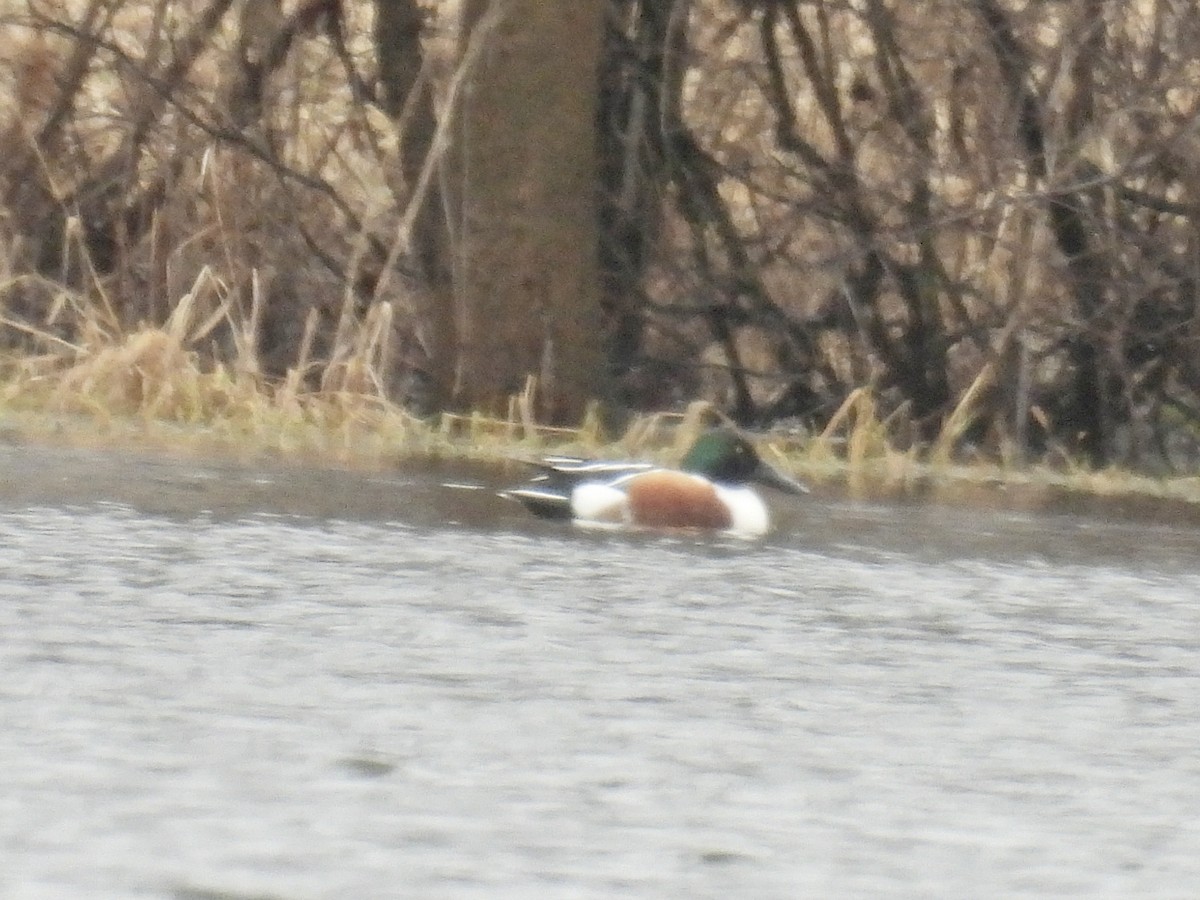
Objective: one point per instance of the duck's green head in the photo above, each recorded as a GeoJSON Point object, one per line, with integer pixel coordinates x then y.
{"type": "Point", "coordinates": [725, 456]}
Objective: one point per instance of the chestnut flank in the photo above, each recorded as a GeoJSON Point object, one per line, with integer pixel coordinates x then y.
{"type": "Point", "coordinates": [666, 499]}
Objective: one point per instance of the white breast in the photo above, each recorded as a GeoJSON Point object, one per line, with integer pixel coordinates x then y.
{"type": "Point", "coordinates": [750, 516]}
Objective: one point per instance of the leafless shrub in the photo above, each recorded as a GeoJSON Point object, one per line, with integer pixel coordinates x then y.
{"type": "Point", "coordinates": [942, 201]}
{"type": "Point", "coordinates": [981, 212]}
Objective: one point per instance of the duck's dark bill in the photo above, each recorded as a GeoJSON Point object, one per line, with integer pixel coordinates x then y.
{"type": "Point", "coordinates": [772, 477]}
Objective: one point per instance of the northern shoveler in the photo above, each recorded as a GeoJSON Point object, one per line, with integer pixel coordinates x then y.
{"type": "Point", "coordinates": [710, 489]}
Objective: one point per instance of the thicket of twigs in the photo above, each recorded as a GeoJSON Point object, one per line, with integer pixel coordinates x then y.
{"type": "Point", "coordinates": [980, 213]}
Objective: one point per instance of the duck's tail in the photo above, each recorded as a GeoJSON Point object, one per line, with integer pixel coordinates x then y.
{"type": "Point", "coordinates": [542, 500]}
{"type": "Point", "coordinates": [550, 494]}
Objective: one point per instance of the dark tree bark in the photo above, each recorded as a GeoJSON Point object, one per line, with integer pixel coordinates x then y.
{"type": "Point", "coordinates": [526, 259]}
{"type": "Point", "coordinates": [1086, 416]}
{"type": "Point", "coordinates": [406, 95]}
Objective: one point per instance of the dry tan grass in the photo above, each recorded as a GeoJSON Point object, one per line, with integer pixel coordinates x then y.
{"type": "Point", "coordinates": [165, 347]}
{"type": "Point", "coordinates": [150, 388]}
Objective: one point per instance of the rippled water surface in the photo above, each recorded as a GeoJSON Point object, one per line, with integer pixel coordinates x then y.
{"type": "Point", "coordinates": [226, 684]}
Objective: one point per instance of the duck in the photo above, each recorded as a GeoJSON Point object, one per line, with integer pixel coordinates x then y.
{"type": "Point", "coordinates": [711, 490]}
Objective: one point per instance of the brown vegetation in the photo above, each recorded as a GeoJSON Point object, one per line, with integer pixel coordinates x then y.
{"type": "Point", "coordinates": [973, 222]}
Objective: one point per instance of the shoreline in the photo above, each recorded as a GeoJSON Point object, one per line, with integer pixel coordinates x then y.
{"type": "Point", "coordinates": [388, 441]}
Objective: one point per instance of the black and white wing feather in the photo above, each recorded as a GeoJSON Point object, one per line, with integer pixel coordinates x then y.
{"type": "Point", "coordinates": [548, 494]}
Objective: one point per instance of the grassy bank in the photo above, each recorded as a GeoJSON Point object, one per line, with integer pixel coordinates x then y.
{"type": "Point", "coordinates": [148, 390]}
{"type": "Point", "coordinates": [208, 252]}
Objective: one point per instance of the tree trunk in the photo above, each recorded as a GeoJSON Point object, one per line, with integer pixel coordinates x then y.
{"type": "Point", "coordinates": [407, 98]}
{"type": "Point", "coordinates": [526, 280]}
{"type": "Point", "coordinates": [1087, 420]}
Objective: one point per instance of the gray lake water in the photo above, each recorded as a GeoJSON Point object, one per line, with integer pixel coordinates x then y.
{"type": "Point", "coordinates": [228, 683]}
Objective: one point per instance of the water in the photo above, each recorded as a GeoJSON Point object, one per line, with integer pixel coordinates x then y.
{"type": "Point", "coordinates": [299, 684]}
